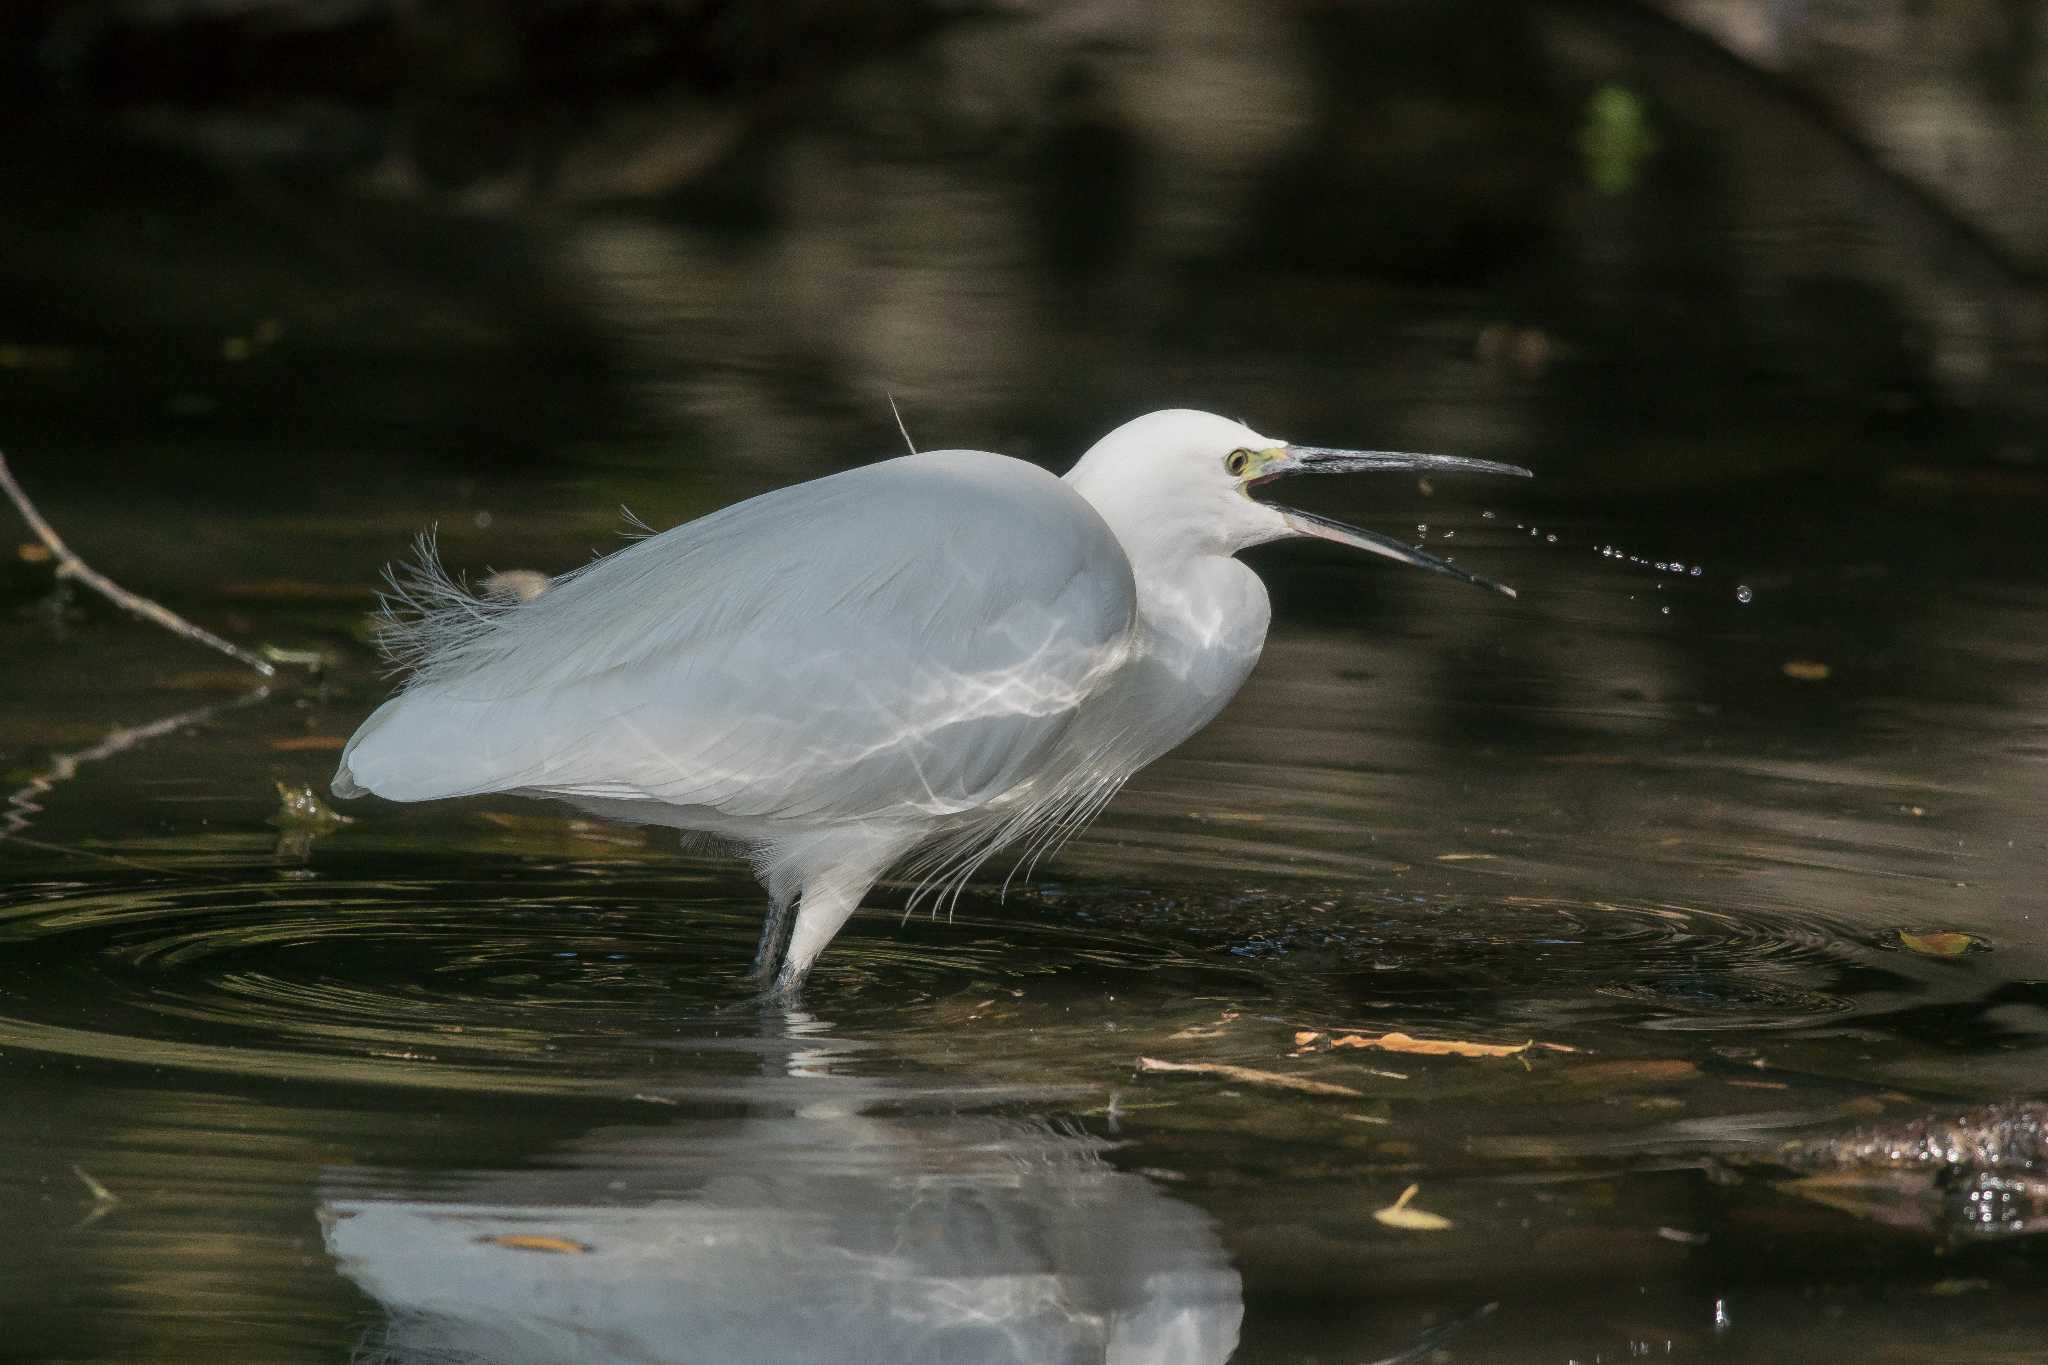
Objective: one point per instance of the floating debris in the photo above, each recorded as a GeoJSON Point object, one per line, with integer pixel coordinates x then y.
{"type": "Point", "coordinates": [1423, 1047]}
{"type": "Point", "coordinates": [299, 807]}
{"type": "Point", "coordinates": [1253, 1076]}
{"type": "Point", "coordinates": [1942, 943]}
{"type": "Point", "coordinates": [522, 1241]}
{"type": "Point", "coordinates": [519, 585]}
{"type": "Point", "coordinates": [1399, 1215]}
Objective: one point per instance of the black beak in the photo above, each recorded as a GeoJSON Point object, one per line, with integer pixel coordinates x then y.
{"type": "Point", "coordinates": [1321, 460]}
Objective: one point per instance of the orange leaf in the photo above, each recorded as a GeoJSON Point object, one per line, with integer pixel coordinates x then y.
{"type": "Point", "coordinates": [527, 1241]}
{"type": "Point", "coordinates": [1947, 943]}
{"type": "Point", "coordinates": [1806, 670]}
{"type": "Point", "coordinates": [1432, 1047]}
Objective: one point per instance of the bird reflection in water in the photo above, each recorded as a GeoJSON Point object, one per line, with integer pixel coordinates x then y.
{"type": "Point", "coordinates": [813, 1229]}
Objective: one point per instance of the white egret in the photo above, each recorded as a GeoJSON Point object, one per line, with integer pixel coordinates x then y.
{"type": "Point", "coordinates": [940, 654]}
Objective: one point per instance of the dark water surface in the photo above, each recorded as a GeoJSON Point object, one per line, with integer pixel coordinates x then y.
{"type": "Point", "coordinates": [1739, 812]}
{"type": "Point", "coordinates": [321, 1072]}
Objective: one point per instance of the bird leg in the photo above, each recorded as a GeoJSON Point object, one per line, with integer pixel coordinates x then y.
{"type": "Point", "coordinates": [774, 933]}
{"type": "Point", "coordinates": [830, 896]}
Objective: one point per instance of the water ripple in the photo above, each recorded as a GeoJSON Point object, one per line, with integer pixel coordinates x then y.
{"type": "Point", "coordinates": [555, 985]}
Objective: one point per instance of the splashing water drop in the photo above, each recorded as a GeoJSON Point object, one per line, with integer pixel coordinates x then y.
{"type": "Point", "coordinates": [1744, 595]}
{"type": "Point", "coordinates": [1551, 538]}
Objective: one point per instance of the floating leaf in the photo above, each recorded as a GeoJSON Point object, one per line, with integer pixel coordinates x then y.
{"type": "Point", "coordinates": [1399, 1215]}
{"type": "Point", "coordinates": [525, 1241]}
{"type": "Point", "coordinates": [1806, 670]}
{"type": "Point", "coordinates": [515, 585]}
{"type": "Point", "coordinates": [1945, 943]}
{"type": "Point", "coordinates": [1429, 1047]}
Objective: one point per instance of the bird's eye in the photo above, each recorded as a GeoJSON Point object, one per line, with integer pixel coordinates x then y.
{"type": "Point", "coordinates": [1236, 462]}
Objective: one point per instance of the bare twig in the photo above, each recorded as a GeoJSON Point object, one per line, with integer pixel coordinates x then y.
{"type": "Point", "coordinates": [69, 565]}
{"type": "Point", "coordinates": [899, 424]}
{"type": "Point", "coordinates": [1253, 1076]}
{"type": "Point", "coordinates": [20, 804]}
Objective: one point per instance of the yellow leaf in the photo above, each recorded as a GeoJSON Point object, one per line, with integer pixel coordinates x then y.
{"type": "Point", "coordinates": [526, 1241]}
{"type": "Point", "coordinates": [1806, 670]}
{"type": "Point", "coordinates": [1947, 943]}
{"type": "Point", "coordinates": [1399, 1215]}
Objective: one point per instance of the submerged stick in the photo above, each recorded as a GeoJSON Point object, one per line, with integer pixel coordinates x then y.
{"type": "Point", "coordinates": [69, 565]}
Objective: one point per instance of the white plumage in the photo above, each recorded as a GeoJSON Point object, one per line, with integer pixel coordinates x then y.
{"type": "Point", "coordinates": [952, 650]}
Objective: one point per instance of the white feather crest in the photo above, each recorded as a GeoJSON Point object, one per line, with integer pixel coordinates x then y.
{"type": "Point", "coordinates": [428, 617]}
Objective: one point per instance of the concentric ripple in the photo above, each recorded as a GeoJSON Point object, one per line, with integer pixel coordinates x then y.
{"type": "Point", "coordinates": [556, 982]}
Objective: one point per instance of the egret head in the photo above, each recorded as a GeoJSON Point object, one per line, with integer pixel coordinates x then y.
{"type": "Point", "coordinates": [1186, 478]}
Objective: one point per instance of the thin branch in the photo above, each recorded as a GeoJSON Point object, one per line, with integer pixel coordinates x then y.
{"type": "Point", "coordinates": [20, 808]}
{"type": "Point", "coordinates": [899, 423]}
{"type": "Point", "coordinates": [69, 565]}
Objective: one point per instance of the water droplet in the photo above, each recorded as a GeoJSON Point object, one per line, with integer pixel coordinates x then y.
{"type": "Point", "coordinates": [1422, 528]}
{"type": "Point", "coordinates": [1696, 570]}
{"type": "Point", "coordinates": [1664, 610]}
{"type": "Point", "coordinates": [1744, 595]}
{"type": "Point", "coordinates": [1552, 537]}
{"type": "Point", "coordinates": [1487, 515]}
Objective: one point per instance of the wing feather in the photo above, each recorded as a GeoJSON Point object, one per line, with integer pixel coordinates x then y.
{"type": "Point", "coordinates": [909, 636]}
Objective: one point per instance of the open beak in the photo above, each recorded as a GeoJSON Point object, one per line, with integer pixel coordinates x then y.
{"type": "Point", "coordinates": [1320, 460]}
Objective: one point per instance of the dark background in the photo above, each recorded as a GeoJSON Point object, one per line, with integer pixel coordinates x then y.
{"type": "Point", "coordinates": [1651, 245]}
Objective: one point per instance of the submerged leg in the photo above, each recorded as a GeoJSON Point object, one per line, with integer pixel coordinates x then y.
{"type": "Point", "coordinates": [830, 896]}
{"type": "Point", "coordinates": [774, 934]}
{"type": "Point", "coordinates": [782, 885]}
